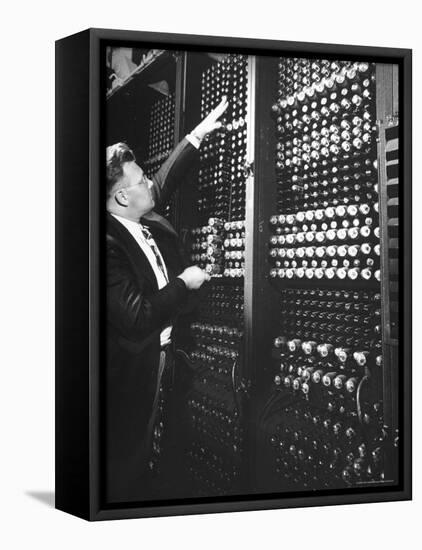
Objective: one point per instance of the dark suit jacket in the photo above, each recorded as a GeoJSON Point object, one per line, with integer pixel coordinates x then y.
{"type": "Point", "coordinates": [136, 313]}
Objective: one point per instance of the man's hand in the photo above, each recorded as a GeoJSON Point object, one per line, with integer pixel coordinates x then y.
{"type": "Point", "coordinates": [211, 122]}
{"type": "Point", "coordinates": [194, 277]}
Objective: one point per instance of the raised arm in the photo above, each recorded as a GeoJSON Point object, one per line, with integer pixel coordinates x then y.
{"type": "Point", "coordinates": [171, 173]}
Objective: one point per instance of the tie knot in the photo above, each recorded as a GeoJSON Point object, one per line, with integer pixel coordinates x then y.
{"type": "Point", "coordinates": [146, 232]}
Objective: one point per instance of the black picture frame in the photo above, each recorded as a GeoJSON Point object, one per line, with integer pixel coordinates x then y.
{"type": "Point", "coordinates": [79, 128]}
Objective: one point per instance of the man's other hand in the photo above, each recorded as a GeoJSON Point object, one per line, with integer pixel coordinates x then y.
{"type": "Point", "coordinates": [211, 122]}
{"type": "Point", "coordinates": [194, 277]}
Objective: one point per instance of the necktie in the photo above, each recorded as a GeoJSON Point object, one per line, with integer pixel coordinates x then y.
{"type": "Point", "coordinates": [152, 244]}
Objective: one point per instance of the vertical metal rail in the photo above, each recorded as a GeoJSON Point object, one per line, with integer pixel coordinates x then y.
{"type": "Point", "coordinates": [249, 220]}
{"type": "Point", "coordinates": [384, 106]}
{"type": "Point", "coordinates": [387, 109]}
{"type": "Point", "coordinates": [179, 59]}
{"type": "Point", "coordinates": [265, 296]}
{"type": "Point", "coordinates": [249, 279]}
{"type": "Point", "coordinates": [179, 103]}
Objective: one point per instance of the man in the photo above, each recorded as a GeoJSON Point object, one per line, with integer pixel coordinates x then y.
{"type": "Point", "coordinates": [147, 287]}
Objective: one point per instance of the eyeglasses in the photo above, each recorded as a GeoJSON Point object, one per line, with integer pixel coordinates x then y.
{"type": "Point", "coordinates": [142, 181]}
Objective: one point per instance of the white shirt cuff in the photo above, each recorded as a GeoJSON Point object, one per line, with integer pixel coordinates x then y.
{"type": "Point", "coordinates": [193, 140]}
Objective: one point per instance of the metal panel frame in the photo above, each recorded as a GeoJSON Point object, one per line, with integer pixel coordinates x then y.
{"type": "Point", "coordinates": [89, 459]}
{"type": "Point", "coordinates": [388, 116]}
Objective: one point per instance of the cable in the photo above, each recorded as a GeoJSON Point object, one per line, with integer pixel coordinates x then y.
{"type": "Point", "coordinates": [358, 404]}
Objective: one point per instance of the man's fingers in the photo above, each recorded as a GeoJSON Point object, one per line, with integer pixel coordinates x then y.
{"type": "Point", "coordinates": [223, 109]}
{"type": "Point", "coordinates": [210, 122]}
{"type": "Point", "coordinates": [222, 106]}
{"type": "Point", "coordinates": [219, 110]}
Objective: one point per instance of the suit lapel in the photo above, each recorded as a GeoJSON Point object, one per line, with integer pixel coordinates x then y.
{"type": "Point", "coordinates": [170, 247]}
{"type": "Point", "coordinates": [164, 234]}
{"type": "Point", "coordinates": [133, 251]}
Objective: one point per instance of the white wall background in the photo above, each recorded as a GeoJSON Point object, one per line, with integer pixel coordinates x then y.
{"type": "Point", "coordinates": [27, 272]}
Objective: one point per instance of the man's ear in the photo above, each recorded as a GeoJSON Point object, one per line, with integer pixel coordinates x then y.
{"type": "Point", "coordinates": [120, 196]}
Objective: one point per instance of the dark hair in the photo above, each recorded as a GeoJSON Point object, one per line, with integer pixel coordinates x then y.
{"type": "Point", "coordinates": [116, 156]}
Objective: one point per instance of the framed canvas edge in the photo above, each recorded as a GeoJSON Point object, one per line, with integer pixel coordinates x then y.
{"type": "Point", "coordinates": [401, 56]}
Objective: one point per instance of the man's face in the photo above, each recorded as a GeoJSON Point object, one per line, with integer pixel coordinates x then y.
{"type": "Point", "coordinates": [137, 190]}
